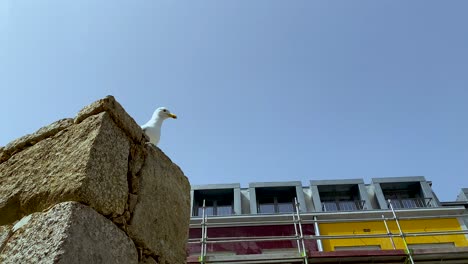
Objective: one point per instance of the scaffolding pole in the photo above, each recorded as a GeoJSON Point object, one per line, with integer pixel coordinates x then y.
{"type": "Point", "coordinates": [389, 233]}
{"type": "Point", "coordinates": [203, 235]}
{"type": "Point", "coordinates": [296, 233]}
{"type": "Point", "coordinates": [408, 251]}
{"type": "Point", "coordinates": [304, 251]}
{"type": "Point", "coordinates": [317, 233]}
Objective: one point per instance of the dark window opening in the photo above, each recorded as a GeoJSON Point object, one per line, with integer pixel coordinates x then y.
{"type": "Point", "coordinates": [405, 194]}
{"type": "Point", "coordinates": [275, 200]}
{"type": "Point", "coordinates": [217, 202]}
{"type": "Point", "coordinates": [344, 197]}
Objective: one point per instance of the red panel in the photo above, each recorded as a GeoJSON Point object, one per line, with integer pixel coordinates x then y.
{"type": "Point", "coordinates": [251, 231]}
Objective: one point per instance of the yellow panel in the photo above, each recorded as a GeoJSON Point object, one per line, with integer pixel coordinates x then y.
{"type": "Point", "coordinates": [378, 227]}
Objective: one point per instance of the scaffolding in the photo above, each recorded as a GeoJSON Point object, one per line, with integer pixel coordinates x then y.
{"type": "Point", "coordinates": [300, 238]}
{"type": "Point", "coordinates": [402, 235]}
{"type": "Point", "coordinates": [204, 234]}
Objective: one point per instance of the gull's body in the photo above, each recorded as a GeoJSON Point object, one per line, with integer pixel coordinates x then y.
{"type": "Point", "coordinates": [152, 128]}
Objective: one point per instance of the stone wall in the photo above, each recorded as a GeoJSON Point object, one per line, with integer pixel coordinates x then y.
{"type": "Point", "coordinates": [91, 190]}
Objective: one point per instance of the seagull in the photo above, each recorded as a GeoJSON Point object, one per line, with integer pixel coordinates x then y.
{"type": "Point", "coordinates": [152, 128]}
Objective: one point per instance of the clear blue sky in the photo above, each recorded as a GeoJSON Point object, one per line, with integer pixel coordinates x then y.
{"type": "Point", "coordinates": [265, 90]}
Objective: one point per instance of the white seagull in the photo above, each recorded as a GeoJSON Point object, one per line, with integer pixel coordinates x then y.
{"type": "Point", "coordinates": [152, 128]}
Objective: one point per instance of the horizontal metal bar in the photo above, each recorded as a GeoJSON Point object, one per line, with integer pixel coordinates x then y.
{"type": "Point", "coordinates": [208, 241]}
{"type": "Point", "coordinates": [256, 237]}
{"type": "Point", "coordinates": [384, 235]}
{"type": "Point", "coordinates": [247, 223]}
{"type": "Point", "coordinates": [380, 219]}
{"type": "Point", "coordinates": [311, 221]}
{"type": "Point", "coordinates": [437, 233]}
{"type": "Point", "coordinates": [313, 237]}
{"type": "Point", "coordinates": [245, 239]}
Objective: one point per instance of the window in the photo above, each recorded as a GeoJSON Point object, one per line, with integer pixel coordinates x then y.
{"type": "Point", "coordinates": [215, 207]}
{"type": "Point", "coordinates": [275, 200]}
{"type": "Point", "coordinates": [340, 198]}
{"type": "Point", "coordinates": [342, 205]}
{"type": "Point", "coordinates": [275, 204]}
{"type": "Point", "coordinates": [404, 195]}
{"type": "Point", "coordinates": [217, 202]}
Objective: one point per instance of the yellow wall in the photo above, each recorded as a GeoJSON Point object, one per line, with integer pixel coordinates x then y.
{"type": "Point", "coordinates": [378, 227]}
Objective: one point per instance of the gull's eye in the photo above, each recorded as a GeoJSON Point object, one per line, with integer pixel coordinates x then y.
{"type": "Point", "coordinates": [164, 110]}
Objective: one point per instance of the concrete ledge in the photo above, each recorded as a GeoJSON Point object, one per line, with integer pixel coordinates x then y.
{"type": "Point", "coordinates": [337, 182]}
{"type": "Point", "coordinates": [216, 186]}
{"type": "Point", "coordinates": [399, 179]}
{"type": "Point", "coordinates": [274, 184]}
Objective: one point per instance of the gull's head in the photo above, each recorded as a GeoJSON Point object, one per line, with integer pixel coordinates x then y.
{"type": "Point", "coordinates": [163, 113]}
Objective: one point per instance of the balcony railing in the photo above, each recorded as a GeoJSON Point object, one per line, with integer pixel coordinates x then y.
{"type": "Point", "coordinates": [334, 206]}
{"type": "Point", "coordinates": [215, 210]}
{"type": "Point", "coordinates": [411, 202]}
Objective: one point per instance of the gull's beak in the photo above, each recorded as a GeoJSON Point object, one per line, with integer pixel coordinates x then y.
{"type": "Point", "coordinates": [172, 115]}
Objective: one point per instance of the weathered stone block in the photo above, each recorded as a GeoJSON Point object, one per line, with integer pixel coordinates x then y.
{"type": "Point", "coordinates": [118, 114]}
{"type": "Point", "coordinates": [147, 260]}
{"type": "Point", "coordinates": [161, 216]}
{"type": "Point", "coordinates": [86, 162]}
{"type": "Point", "coordinates": [3, 154]}
{"type": "Point", "coordinates": [69, 233]}
{"type": "Point", "coordinates": [31, 139]}
{"type": "Point", "coordinates": [5, 232]}
{"type": "Point", "coordinates": [128, 190]}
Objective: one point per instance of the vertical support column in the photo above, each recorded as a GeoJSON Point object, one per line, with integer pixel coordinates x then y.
{"type": "Point", "coordinates": [427, 193]}
{"type": "Point", "coordinates": [191, 203]}
{"type": "Point", "coordinates": [380, 196]}
{"type": "Point", "coordinates": [237, 201]}
{"type": "Point", "coordinates": [364, 196]}
{"type": "Point", "coordinates": [317, 233]}
{"type": "Point", "coordinates": [316, 198]}
{"type": "Point", "coordinates": [463, 224]}
{"type": "Point", "coordinates": [253, 200]}
{"type": "Point", "coordinates": [300, 198]}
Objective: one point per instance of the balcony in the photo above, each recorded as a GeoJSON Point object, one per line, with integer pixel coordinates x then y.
{"type": "Point", "coordinates": [333, 206]}
{"type": "Point", "coordinates": [217, 202]}
{"type": "Point", "coordinates": [406, 194]}
{"type": "Point", "coordinates": [411, 202]}
{"type": "Point", "coordinates": [214, 209]}
{"type": "Point", "coordinates": [275, 200]}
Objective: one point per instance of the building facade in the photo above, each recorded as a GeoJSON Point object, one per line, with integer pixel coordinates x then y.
{"type": "Point", "coordinates": [390, 220]}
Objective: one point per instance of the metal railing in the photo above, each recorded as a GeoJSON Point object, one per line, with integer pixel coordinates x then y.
{"type": "Point", "coordinates": [410, 202]}
{"type": "Point", "coordinates": [332, 206]}
{"type": "Point", "coordinates": [300, 238]}
{"type": "Point", "coordinates": [219, 210]}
